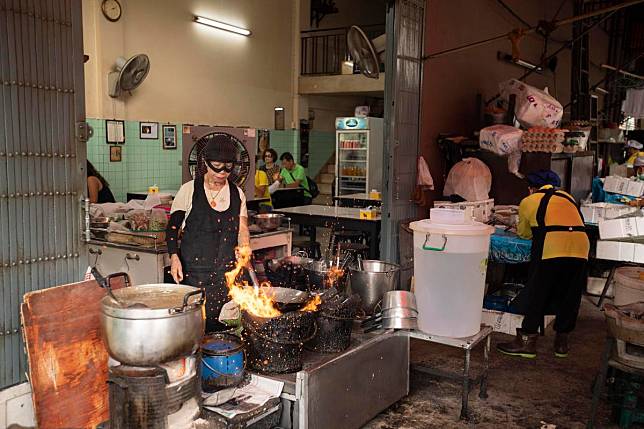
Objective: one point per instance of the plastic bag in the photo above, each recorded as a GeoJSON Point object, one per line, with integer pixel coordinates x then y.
{"type": "Point", "coordinates": [470, 178]}
{"type": "Point", "coordinates": [139, 220]}
{"type": "Point", "coordinates": [501, 139]}
{"type": "Point", "coordinates": [425, 179]}
{"type": "Point", "coordinates": [534, 107]}
{"type": "Point", "coordinates": [158, 220]}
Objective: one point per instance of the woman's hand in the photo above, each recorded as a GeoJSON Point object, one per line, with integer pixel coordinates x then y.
{"type": "Point", "coordinates": [176, 269]}
{"type": "Point", "coordinates": [277, 177]}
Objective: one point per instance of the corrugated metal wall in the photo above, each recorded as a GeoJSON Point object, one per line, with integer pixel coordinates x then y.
{"type": "Point", "coordinates": [405, 25]}
{"type": "Point", "coordinates": [41, 167]}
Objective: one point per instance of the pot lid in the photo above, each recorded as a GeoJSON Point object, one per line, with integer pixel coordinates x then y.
{"type": "Point", "coordinates": [473, 228]}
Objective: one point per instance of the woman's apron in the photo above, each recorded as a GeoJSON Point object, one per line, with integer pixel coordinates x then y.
{"type": "Point", "coordinates": [208, 249]}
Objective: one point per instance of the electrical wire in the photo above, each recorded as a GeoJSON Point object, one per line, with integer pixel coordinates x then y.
{"type": "Point", "coordinates": [513, 13]}
{"type": "Point", "coordinates": [554, 54]}
{"type": "Point", "coordinates": [608, 10]}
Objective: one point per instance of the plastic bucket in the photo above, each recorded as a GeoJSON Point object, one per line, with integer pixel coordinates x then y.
{"type": "Point", "coordinates": [222, 362]}
{"type": "Point", "coordinates": [628, 285]}
{"type": "Point", "coordinates": [450, 262]}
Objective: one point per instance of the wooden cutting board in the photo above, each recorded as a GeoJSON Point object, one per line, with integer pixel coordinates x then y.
{"type": "Point", "coordinates": [66, 355]}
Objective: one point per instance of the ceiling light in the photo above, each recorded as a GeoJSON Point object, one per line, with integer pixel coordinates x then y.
{"type": "Point", "coordinates": [222, 26]}
{"type": "Point", "coordinates": [508, 58]}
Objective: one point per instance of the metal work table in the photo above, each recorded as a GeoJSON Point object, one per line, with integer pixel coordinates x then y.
{"type": "Point", "coordinates": [356, 200]}
{"type": "Point", "coordinates": [322, 395]}
{"type": "Point", "coordinates": [467, 344]}
{"type": "Point", "coordinates": [328, 216]}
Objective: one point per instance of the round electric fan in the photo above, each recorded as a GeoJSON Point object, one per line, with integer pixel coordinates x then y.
{"type": "Point", "coordinates": [128, 74]}
{"type": "Point", "coordinates": [197, 165]}
{"type": "Point", "coordinates": [367, 53]}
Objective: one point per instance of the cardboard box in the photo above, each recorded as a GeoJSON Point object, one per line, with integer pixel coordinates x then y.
{"type": "Point", "coordinates": [630, 229]}
{"type": "Point", "coordinates": [623, 186]}
{"type": "Point", "coordinates": [595, 212]}
{"type": "Point", "coordinates": [506, 323]}
{"type": "Point", "coordinates": [620, 251]}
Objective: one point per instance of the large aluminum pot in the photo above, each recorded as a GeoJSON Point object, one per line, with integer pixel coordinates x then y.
{"type": "Point", "coordinates": [154, 323]}
{"type": "Point", "coordinates": [371, 283]}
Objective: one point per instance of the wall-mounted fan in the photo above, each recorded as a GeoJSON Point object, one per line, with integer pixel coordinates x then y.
{"type": "Point", "coordinates": [128, 74]}
{"type": "Point", "coordinates": [198, 168]}
{"type": "Point", "coordinates": [367, 53]}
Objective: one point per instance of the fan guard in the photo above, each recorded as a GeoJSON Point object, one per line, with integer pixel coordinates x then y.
{"type": "Point", "coordinates": [197, 165]}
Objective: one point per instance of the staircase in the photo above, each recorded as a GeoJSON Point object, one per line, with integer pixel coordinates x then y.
{"type": "Point", "coordinates": [324, 180]}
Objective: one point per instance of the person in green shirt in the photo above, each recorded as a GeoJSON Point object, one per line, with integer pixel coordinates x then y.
{"type": "Point", "coordinates": [294, 176]}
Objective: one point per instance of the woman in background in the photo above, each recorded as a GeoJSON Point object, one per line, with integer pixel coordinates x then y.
{"type": "Point", "coordinates": [270, 165]}
{"type": "Point", "coordinates": [98, 189]}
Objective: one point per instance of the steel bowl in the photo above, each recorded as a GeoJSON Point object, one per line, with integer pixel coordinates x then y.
{"type": "Point", "coordinates": [399, 312]}
{"type": "Point", "coordinates": [400, 323]}
{"type": "Point", "coordinates": [372, 281]}
{"type": "Point", "coordinates": [268, 221]}
{"type": "Point", "coordinates": [398, 299]}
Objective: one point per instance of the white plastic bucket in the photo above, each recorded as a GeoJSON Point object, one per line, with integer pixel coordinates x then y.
{"type": "Point", "coordinates": [629, 286]}
{"type": "Point", "coordinates": [450, 262]}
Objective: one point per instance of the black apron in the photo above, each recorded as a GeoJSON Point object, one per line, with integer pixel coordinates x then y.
{"type": "Point", "coordinates": [208, 249]}
{"type": "Point", "coordinates": [522, 302]}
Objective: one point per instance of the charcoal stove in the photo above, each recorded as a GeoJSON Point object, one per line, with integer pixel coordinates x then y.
{"type": "Point", "coordinates": [157, 397]}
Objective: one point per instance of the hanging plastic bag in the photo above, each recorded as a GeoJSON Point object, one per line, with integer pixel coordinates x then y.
{"type": "Point", "coordinates": [534, 107]}
{"type": "Point", "coordinates": [471, 179]}
{"type": "Point", "coordinates": [425, 179]}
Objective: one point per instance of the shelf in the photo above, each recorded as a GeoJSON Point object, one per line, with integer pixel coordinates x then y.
{"type": "Point", "coordinates": [353, 177]}
{"type": "Point", "coordinates": [353, 160]}
{"type": "Point", "coordinates": [353, 148]}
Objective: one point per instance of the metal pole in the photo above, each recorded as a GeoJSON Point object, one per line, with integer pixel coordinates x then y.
{"type": "Point", "coordinates": [530, 30]}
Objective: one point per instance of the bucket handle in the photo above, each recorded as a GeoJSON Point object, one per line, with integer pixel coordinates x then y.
{"type": "Point", "coordinates": [435, 249]}
{"type": "Point", "coordinates": [203, 361]}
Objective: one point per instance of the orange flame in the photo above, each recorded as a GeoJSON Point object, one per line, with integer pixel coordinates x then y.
{"type": "Point", "coordinates": [256, 301]}
{"type": "Point", "coordinates": [313, 303]}
{"type": "Point", "coordinates": [333, 276]}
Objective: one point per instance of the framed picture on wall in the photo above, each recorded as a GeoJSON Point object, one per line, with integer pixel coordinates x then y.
{"type": "Point", "coordinates": [114, 131]}
{"type": "Point", "coordinates": [115, 153]}
{"type": "Point", "coordinates": [169, 137]}
{"type": "Point", "coordinates": [148, 130]}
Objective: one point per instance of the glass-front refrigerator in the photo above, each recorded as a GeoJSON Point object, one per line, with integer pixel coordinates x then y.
{"type": "Point", "coordinates": [358, 155]}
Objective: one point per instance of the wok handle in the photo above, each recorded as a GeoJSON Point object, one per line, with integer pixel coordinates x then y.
{"type": "Point", "coordinates": [185, 301]}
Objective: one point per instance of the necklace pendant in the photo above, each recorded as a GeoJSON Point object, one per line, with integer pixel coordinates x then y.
{"type": "Point", "coordinates": [213, 204]}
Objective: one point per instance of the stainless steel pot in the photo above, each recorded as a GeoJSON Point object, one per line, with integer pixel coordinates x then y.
{"type": "Point", "coordinates": [268, 221]}
{"type": "Point", "coordinates": [151, 324]}
{"type": "Point", "coordinates": [375, 278]}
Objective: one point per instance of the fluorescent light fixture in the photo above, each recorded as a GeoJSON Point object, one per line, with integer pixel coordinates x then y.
{"type": "Point", "coordinates": [508, 58]}
{"type": "Point", "coordinates": [279, 109]}
{"type": "Point", "coordinates": [601, 90]}
{"type": "Point", "coordinates": [222, 26]}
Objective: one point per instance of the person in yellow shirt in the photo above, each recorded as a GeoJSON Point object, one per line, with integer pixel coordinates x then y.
{"type": "Point", "coordinates": [262, 187]}
{"type": "Point", "coordinates": [559, 258]}
{"type": "Point", "coordinates": [633, 151]}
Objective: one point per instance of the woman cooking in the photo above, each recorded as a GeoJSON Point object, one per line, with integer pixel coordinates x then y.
{"type": "Point", "coordinates": [212, 213]}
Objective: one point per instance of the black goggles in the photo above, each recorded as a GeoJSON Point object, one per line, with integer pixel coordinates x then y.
{"type": "Point", "coordinates": [227, 166]}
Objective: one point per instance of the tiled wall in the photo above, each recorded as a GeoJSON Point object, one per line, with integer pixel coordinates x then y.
{"type": "Point", "coordinates": [143, 162]}
{"type": "Point", "coordinates": [321, 147]}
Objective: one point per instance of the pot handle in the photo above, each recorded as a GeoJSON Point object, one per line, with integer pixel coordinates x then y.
{"type": "Point", "coordinates": [185, 301]}
{"type": "Point", "coordinates": [435, 249]}
{"type": "Point", "coordinates": [126, 278]}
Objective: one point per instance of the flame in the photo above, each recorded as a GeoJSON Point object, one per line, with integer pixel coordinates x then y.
{"type": "Point", "coordinates": [256, 301]}
{"type": "Point", "coordinates": [313, 303]}
{"type": "Point", "coordinates": [333, 276]}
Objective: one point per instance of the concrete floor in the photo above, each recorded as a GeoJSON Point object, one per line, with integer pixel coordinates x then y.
{"type": "Point", "coordinates": [523, 393]}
